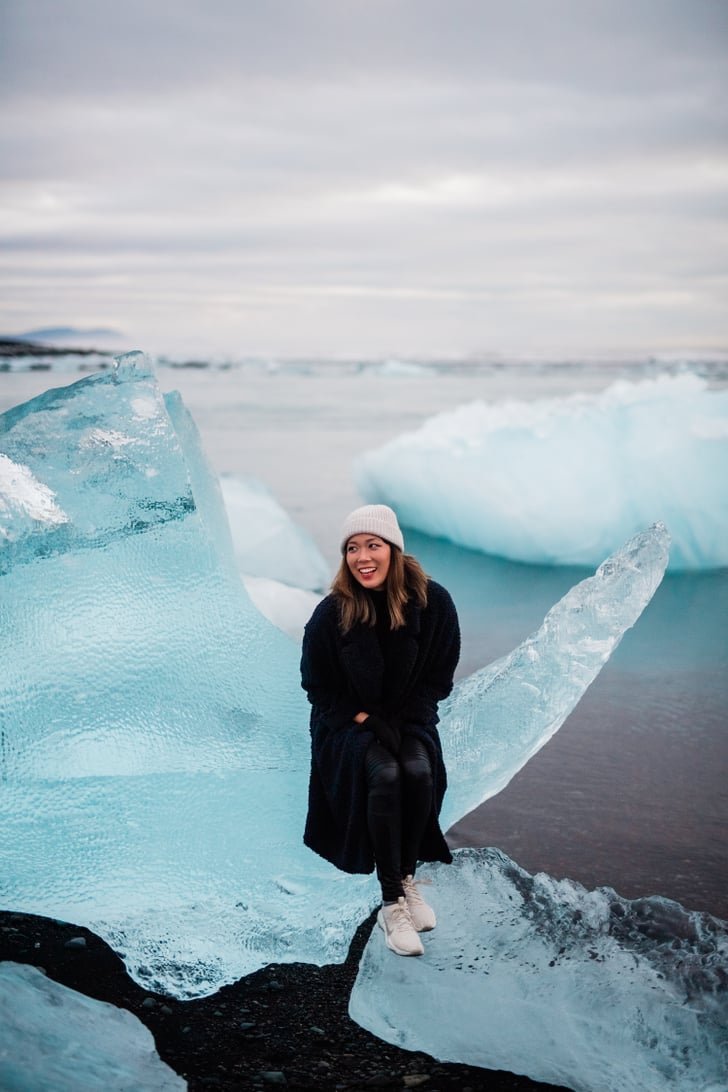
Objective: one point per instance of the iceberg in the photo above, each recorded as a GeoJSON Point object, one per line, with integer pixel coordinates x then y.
{"type": "Point", "coordinates": [153, 733]}
{"type": "Point", "coordinates": [153, 744]}
{"type": "Point", "coordinates": [266, 541]}
{"type": "Point", "coordinates": [286, 607]}
{"type": "Point", "coordinates": [544, 978]}
{"type": "Point", "coordinates": [63, 1041]}
{"type": "Point", "coordinates": [566, 480]}
{"type": "Point", "coordinates": [283, 570]}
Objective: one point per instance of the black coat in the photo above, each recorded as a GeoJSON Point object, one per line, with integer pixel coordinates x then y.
{"type": "Point", "coordinates": [344, 675]}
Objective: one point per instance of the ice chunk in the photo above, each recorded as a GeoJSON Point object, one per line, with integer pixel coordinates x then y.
{"type": "Point", "coordinates": [267, 542]}
{"type": "Point", "coordinates": [50, 499]}
{"type": "Point", "coordinates": [286, 607]}
{"type": "Point", "coordinates": [500, 716]}
{"type": "Point", "coordinates": [154, 749]}
{"type": "Point", "coordinates": [542, 977]}
{"type": "Point", "coordinates": [153, 732]}
{"type": "Point", "coordinates": [399, 368]}
{"type": "Point", "coordinates": [565, 481]}
{"type": "Point", "coordinates": [24, 499]}
{"type": "Point", "coordinates": [57, 1040]}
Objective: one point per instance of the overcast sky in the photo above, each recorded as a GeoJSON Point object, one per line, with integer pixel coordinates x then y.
{"type": "Point", "coordinates": [347, 177]}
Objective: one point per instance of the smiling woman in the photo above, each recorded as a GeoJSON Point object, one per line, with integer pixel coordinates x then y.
{"type": "Point", "coordinates": [368, 559]}
{"type": "Point", "coordinates": [379, 653]}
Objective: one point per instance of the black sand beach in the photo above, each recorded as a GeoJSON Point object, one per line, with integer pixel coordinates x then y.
{"type": "Point", "coordinates": [284, 1026]}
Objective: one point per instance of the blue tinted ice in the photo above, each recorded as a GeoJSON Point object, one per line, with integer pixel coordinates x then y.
{"type": "Point", "coordinates": [57, 1040]}
{"type": "Point", "coordinates": [568, 986]}
{"type": "Point", "coordinates": [153, 734]}
{"type": "Point", "coordinates": [566, 480]}
{"type": "Point", "coordinates": [498, 717]}
{"type": "Point", "coordinates": [267, 543]}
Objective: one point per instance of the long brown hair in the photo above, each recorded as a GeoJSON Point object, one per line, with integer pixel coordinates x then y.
{"type": "Point", "coordinates": [406, 580]}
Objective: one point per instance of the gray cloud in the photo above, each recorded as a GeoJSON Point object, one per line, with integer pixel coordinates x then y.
{"type": "Point", "coordinates": [413, 175]}
{"type": "Point", "coordinates": [112, 48]}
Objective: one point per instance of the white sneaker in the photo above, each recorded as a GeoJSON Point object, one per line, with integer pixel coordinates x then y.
{"type": "Point", "coordinates": [399, 932]}
{"type": "Point", "coordinates": [422, 915]}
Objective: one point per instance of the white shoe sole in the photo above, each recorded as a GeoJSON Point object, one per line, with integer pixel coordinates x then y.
{"type": "Point", "coordinates": [392, 947]}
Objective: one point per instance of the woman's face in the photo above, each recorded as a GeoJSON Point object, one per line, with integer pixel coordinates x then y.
{"type": "Point", "coordinates": [368, 558]}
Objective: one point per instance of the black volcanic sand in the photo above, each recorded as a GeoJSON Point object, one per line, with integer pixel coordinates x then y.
{"type": "Point", "coordinates": [285, 1025]}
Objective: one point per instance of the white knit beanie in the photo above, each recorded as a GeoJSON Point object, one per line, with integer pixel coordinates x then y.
{"type": "Point", "coordinates": [372, 519]}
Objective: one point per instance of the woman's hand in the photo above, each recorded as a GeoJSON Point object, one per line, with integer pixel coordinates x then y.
{"type": "Point", "coordinates": [388, 735]}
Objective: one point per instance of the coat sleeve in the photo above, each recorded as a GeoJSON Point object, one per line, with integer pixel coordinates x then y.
{"type": "Point", "coordinates": [322, 676]}
{"type": "Point", "coordinates": [438, 670]}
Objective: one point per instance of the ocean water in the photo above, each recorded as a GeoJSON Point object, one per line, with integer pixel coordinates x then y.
{"type": "Point", "coordinates": [632, 793]}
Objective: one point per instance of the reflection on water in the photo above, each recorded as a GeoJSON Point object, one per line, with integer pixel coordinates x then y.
{"type": "Point", "coordinates": [632, 792]}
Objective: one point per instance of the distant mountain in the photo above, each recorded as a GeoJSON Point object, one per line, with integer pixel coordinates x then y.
{"type": "Point", "coordinates": [74, 334]}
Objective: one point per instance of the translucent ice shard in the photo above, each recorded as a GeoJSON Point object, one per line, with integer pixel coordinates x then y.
{"type": "Point", "coordinates": [57, 1040]}
{"type": "Point", "coordinates": [500, 716]}
{"type": "Point", "coordinates": [542, 977]}
{"type": "Point", "coordinates": [566, 480]}
{"type": "Point", "coordinates": [153, 733]}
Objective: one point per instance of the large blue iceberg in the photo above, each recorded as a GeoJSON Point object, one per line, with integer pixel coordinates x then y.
{"type": "Point", "coordinates": [566, 480]}
{"type": "Point", "coordinates": [153, 733]}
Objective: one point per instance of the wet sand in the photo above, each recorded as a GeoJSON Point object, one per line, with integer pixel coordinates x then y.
{"type": "Point", "coordinates": [621, 797]}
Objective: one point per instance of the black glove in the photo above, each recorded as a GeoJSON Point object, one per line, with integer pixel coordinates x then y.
{"type": "Point", "coordinates": [388, 735]}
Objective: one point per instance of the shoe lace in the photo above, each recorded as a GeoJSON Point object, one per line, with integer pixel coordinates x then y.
{"type": "Point", "coordinates": [399, 918]}
{"type": "Point", "coordinates": [411, 885]}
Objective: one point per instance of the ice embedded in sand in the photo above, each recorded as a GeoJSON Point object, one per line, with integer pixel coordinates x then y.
{"type": "Point", "coordinates": [566, 480]}
{"type": "Point", "coordinates": [155, 750]}
{"type": "Point", "coordinates": [55, 1039]}
{"type": "Point", "coordinates": [567, 986]}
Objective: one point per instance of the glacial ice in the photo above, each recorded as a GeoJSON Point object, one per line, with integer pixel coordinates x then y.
{"type": "Point", "coordinates": [501, 715]}
{"type": "Point", "coordinates": [282, 568]}
{"type": "Point", "coordinates": [153, 743]}
{"type": "Point", "coordinates": [566, 480]}
{"type": "Point", "coordinates": [57, 1040]}
{"type": "Point", "coordinates": [286, 607]}
{"type": "Point", "coordinates": [544, 978]}
{"type": "Point", "coordinates": [266, 541]}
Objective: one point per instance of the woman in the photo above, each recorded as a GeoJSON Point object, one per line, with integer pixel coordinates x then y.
{"type": "Point", "coordinates": [379, 653]}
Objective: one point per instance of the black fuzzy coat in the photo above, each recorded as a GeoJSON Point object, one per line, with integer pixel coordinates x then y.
{"type": "Point", "coordinates": [344, 675]}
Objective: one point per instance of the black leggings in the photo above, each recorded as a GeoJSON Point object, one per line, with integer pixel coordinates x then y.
{"type": "Point", "coordinates": [398, 806]}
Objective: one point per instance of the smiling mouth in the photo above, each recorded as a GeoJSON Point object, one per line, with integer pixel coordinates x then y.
{"type": "Point", "coordinates": [367, 572]}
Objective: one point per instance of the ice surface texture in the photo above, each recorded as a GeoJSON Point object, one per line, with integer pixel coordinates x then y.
{"type": "Point", "coordinates": [154, 748]}
{"type": "Point", "coordinates": [58, 1040]}
{"type": "Point", "coordinates": [542, 977]}
{"type": "Point", "coordinates": [566, 481]}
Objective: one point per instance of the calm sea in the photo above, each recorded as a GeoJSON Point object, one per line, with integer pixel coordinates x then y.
{"type": "Point", "coordinates": [632, 792]}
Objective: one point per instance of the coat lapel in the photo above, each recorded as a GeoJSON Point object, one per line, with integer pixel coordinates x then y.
{"type": "Point", "coordinates": [405, 649]}
{"type": "Point", "coordinates": [364, 665]}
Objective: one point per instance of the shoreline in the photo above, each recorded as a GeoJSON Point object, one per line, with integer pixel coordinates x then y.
{"type": "Point", "coordinates": [286, 1019]}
